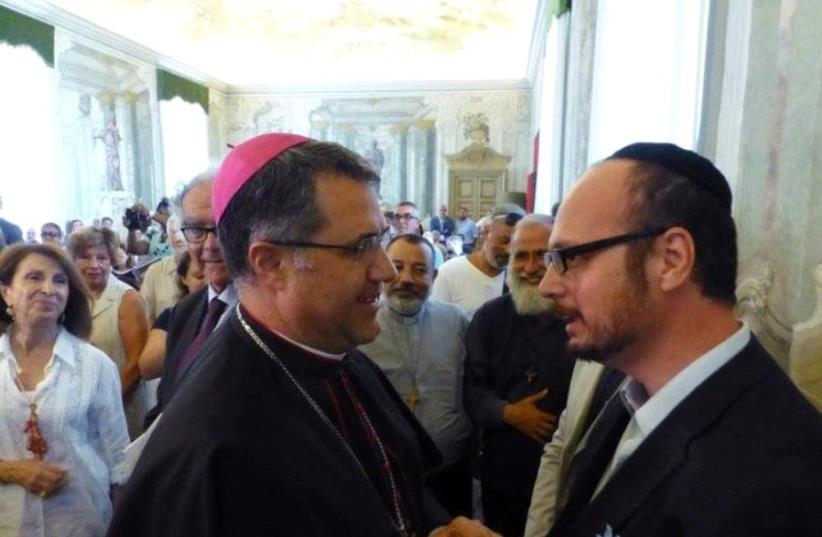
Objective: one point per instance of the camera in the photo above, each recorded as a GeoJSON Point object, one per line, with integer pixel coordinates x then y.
{"type": "Point", "coordinates": [136, 219]}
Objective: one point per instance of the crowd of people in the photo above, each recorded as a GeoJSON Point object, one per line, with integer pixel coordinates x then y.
{"type": "Point", "coordinates": [300, 359]}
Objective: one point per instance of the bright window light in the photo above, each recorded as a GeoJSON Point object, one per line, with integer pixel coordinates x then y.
{"type": "Point", "coordinates": [550, 122]}
{"type": "Point", "coordinates": [648, 65]}
{"type": "Point", "coordinates": [185, 142]}
{"type": "Point", "coordinates": [27, 139]}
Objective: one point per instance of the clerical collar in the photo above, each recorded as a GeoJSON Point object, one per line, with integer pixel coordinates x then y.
{"type": "Point", "coordinates": [406, 320]}
{"type": "Point", "coordinates": [306, 348]}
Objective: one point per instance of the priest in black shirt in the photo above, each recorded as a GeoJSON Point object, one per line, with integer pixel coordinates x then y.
{"type": "Point", "coordinates": [517, 374]}
{"type": "Point", "coordinates": [282, 427]}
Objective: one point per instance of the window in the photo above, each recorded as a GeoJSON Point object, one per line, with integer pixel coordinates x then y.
{"type": "Point", "coordinates": [551, 121]}
{"type": "Point", "coordinates": [185, 142]}
{"type": "Point", "coordinates": [648, 65]}
{"type": "Point", "coordinates": [27, 139]}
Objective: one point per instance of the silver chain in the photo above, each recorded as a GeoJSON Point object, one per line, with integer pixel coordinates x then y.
{"type": "Point", "coordinates": [317, 410]}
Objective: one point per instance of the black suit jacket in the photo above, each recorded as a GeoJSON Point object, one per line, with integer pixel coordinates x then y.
{"type": "Point", "coordinates": [186, 318]}
{"type": "Point", "coordinates": [740, 456]}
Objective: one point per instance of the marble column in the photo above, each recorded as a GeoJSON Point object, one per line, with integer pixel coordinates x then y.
{"type": "Point", "coordinates": [346, 134]}
{"type": "Point", "coordinates": [319, 129]}
{"type": "Point", "coordinates": [126, 104]}
{"type": "Point", "coordinates": [399, 132]}
{"type": "Point", "coordinates": [429, 138]}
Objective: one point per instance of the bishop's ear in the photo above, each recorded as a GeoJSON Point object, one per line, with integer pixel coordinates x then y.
{"type": "Point", "coordinates": [676, 253]}
{"type": "Point", "coordinates": [267, 262]}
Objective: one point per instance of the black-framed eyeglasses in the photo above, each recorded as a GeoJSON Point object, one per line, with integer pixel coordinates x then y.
{"type": "Point", "coordinates": [197, 234]}
{"type": "Point", "coordinates": [49, 234]}
{"type": "Point", "coordinates": [558, 258]}
{"type": "Point", "coordinates": [407, 217]}
{"type": "Point", "coordinates": [358, 249]}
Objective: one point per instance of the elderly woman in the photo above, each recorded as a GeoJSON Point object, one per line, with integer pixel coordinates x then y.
{"type": "Point", "coordinates": [62, 426]}
{"type": "Point", "coordinates": [119, 323]}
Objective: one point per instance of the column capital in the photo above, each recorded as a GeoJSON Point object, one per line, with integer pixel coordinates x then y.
{"type": "Point", "coordinates": [399, 128]}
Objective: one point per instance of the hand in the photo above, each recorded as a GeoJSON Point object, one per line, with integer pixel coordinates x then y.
{"type": "Point", "coordinates": [463, 527]}
{"type": "Point", "coordinates": [528, 419]}
{"type": "Point", "coordinates": [35, 476]}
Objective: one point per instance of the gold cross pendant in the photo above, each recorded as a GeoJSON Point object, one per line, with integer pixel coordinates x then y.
{"type": "Point", "coordinates": [411, 399]}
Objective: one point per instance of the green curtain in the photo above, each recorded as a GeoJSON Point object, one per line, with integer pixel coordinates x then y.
{"type": "Point", "coordinates": [558, 7]}
{"type": "Point", "coordinates": [17, 29]}
{"type": "Point", "coordinates": [170, 85]}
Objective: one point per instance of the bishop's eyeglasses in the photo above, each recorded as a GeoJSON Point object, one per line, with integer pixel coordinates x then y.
{"type": "Point", "coordinates": [559, 257]}
{"type": "Point", "coordinates": [358, 249]}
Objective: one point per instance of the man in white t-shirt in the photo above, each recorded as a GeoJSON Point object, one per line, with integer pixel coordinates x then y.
{"type": "Point", "coordinates": [470, 281]}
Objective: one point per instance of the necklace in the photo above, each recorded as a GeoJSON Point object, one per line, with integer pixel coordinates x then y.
{"type": "Point", "coordinates": [35, 441]}
{"type": "Point", "coordinates": [410, 365]}
{"type": "Point", "coordinates": [400, 520]}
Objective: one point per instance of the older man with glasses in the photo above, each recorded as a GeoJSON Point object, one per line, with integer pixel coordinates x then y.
{"type": "Point", "coordinates": [198, 314]}
{"type": "Point", "coordinates": [51, 233]}
{"type": "Point", "coordinates": [406, 219]}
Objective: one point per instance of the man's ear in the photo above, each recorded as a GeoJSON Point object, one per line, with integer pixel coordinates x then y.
{"type": "Point", "coordinates": [434, 275]}
{"type": "Point", "coordinates": [676, 253]}
{"type": "Point", "coordinates": [268, 262]}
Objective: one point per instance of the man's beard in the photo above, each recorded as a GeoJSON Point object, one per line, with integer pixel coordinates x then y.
{"type": "Point", "coordinates": [526, 297]}
{"type": "Point", "coordinates": [628, 310]}
{"type": "Point", "coordinates": [500, 261]}
{"type": "Point", "coordinates": [404, 303]}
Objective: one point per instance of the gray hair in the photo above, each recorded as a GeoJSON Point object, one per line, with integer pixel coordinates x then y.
{"type": "Point", "coordinates": [203, 177]}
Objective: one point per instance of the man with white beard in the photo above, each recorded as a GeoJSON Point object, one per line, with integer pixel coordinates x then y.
{"type": "Point", "coordinates": [517, 376]}
{"type": "Point", "coordinates": [421, 350]}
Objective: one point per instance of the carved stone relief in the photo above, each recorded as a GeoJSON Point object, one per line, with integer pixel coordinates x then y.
{"type": "Point", "coordinates": [426, 126]}
{"type": "Point", "coordinates": [806, 350]}
{"type": "Point", "coordinates": [106, 128]}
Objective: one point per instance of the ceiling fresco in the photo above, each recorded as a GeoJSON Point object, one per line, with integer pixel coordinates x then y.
{"type": "Point", "coordinates": [286, 42]}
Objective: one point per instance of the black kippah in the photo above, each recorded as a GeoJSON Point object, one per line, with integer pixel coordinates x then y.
{"type": "Point", "coordinates": [683, 162]}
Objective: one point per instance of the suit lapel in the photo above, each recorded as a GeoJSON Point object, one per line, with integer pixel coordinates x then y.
{"type": "Point", "coordinates": [665, 449]}
{"type": "Point", "coordinates": [189, 332]}
{"type": "Point", "coordinates": [192, 329]}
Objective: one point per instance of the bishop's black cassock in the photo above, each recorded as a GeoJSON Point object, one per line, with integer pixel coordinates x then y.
{"type": "Point", "coordinates": [242, 451]}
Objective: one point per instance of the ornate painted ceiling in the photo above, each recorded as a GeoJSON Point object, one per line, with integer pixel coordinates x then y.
{"type": "Point", "coordinates": [327, 42]}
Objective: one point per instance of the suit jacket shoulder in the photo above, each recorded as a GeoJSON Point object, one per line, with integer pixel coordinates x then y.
{"type": "Point", "coordinates": [740, 455]}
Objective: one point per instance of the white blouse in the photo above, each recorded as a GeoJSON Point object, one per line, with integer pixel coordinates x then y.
{"type": "Point", "coordinates": [80, 413]}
